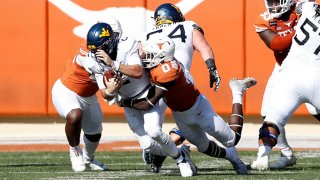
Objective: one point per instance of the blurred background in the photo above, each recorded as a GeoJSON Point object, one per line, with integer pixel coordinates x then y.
{"type": "Point", "coordinates": [39, 36]}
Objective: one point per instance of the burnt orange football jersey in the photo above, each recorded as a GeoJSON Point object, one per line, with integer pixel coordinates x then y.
{"type": "Point", "coordinates": [283, 28]}
{"type": "Point", "coordinates": [181, 94]}
{"type": "Point", "coordinates": [77, 79]}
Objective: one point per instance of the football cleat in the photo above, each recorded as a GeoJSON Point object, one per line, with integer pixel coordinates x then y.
{"type": "Point", "coordinates": [184, 164]}
{"type": "Point", "coordinates": [186, 152]}
{"type": "Point", "coordinates": [96, 165]}
{"type": "Point", "coordinates": [237, 164]}
{"type": "Point", "coordinates": [283, 162]}
{"type": "Point", "coordinates": [242, 85]}
{"type": "Point", "coordinates": [153, 160]}
{"type": "Point", "coordinates": [77, 159]}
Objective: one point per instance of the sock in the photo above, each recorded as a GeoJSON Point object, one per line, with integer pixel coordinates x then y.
{"type": "Point", "coordinates": [264, 150]}
{"type": "Point", "coordinates": [180, 158]}
{"type": "Point", "coordinates": [89, 149]}
{"type": "Point", "coordinates": [236, 97]}
{"type": "Point", "coordinates": [215, 151]}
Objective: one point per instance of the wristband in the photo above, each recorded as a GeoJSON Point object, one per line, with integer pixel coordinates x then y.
{"type": "Point", "coordinates": [210, 64]}
{"type": "Point", "coordinates": [109, 94]}
{"type": "Point", "coordinates": [115, 65]}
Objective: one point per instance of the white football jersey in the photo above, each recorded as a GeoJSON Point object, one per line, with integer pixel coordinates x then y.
{"type": "Point", "coordinates": [181, 34]}
{"type": "Point", "coordinates": [128, 55]}
{"type": "Point", "coordinates": [93, 66]}
{"type": "Point", "coordinates": [305, 49]}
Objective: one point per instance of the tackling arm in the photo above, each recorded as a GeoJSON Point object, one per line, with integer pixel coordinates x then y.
{"type": "Point", "coordinates": [155, 93]}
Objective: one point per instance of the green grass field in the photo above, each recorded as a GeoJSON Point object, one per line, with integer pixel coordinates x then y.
{"type": "Point", "coordinates": [129, 165]}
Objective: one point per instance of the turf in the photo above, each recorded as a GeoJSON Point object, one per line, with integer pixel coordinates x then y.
{"type": "Point", "coordinates": [129, 165]}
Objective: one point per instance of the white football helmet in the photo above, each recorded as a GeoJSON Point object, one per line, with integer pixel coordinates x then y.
{"type": "Point", "coordinates": [156, 50]}
{"type": "Point", "coordinates": [277, 7]}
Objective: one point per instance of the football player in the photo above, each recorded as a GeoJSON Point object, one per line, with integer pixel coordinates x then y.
{"type": "Point", "coordinates": [190, 109]}
{"type": "Point", "coordinates": [298, 81]}
{"type": "Point", "coordinates": [74, 96]}
{"type": "Point", "coordinates": [188, 37]}
{"type": "Point", "coordinates": [145, 124]}
{"type": "Point", "coordinates": [276, 27]}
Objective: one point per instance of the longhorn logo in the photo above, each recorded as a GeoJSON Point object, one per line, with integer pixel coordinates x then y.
{"type": "Point", "coordinates": [133, 20]}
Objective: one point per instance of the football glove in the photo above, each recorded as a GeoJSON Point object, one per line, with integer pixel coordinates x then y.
{"type": "Point", "coordinates": [214, 75]}
{"type": "Point", "coordinates": [125, 103]}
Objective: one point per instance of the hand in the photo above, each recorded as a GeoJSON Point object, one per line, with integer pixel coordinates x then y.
{"type": "Point", "coordinates": [102, 55]}
{"type": "Point", "coordinates": [120, 103]}
{"type": "Point", "coordinates": [113, 84]}
{"type": "Point", "coordinates": [214, 78]}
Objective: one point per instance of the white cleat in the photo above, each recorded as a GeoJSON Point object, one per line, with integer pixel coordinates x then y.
{"type": "Point", "coordinates": [242, 85]}
{"type": "Point", "coordinates": [283, 162]}
{"type": "Point", "coordinates": [186, 151]}
{"type": "Point", "coordinates": [261, 164]}
{"type": "Point", "coordinates": [96, 165]}
{"type": "Point", "coordinates": [185, 164]}
{"type": "Point", "coordinates": [237, 164]}
{"type": "Point", "coordinates": [77, 160]}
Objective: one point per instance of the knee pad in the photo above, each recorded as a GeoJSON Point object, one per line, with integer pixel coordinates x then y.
{"type": "Point", "coordinates": [154, 133]}
{"type": "Point", "coordinates": [93, 138]}
{"type": "Point", "coordinates": [264, 132]}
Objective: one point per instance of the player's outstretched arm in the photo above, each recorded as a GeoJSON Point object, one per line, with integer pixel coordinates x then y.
{"type": "Point", "coordinates": [154, 95]}
{"type": "Point", "coordinates": [201, 44]}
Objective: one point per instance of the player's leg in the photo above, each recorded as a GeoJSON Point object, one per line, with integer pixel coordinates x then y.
{"type": "Point", "coordinates": [287, 157]}
{"type": "Point", "coordinates": [194, 127]}
{"type": "Point", "coordinates": [153, 126]}
{"type": "Point", "coordinates": [284, 102]}
{"type": "Point", "coordinates": [92, 128]}
{"type": "Point", "coordinates": [67, 105]}
{"type": "Point", "coordinates": [238, 88]}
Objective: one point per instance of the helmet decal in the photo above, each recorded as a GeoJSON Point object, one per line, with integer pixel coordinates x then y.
{"type": "Point", "coordinates": [104, 33]}
{"type": "Point", "coordinates": [160, 45]}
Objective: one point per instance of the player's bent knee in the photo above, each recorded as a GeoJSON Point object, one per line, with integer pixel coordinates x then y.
{"type": "Point", "coordinates": [268, 133]}
{"type": "Point", "coordinates": [145, 142]}
{"type": "Point", "coordinates": [154, 133]}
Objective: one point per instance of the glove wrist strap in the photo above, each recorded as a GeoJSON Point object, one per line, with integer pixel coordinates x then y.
{"type": "Point", "coordinates": [211, 65]}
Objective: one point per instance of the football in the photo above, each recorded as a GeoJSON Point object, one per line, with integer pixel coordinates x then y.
{"type": "Point", "coordinates": [109, 73]}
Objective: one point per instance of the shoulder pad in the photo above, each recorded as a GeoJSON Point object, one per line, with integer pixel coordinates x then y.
{"type": "Point", "coordinates": [262, 22]}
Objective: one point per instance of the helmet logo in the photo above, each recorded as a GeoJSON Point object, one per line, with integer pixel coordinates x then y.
{"type": "Point", "coordinates": [91, 47]}
{"type": "Point", "coordinates": [104, 33]}
{"type": "Point", "coordinates": [160, 45]}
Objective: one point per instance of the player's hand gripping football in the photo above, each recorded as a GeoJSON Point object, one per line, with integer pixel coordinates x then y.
{"type": "Point", "coordinates": [214, 75]}
{"type": "Point", "coordinates": [113, 84]}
